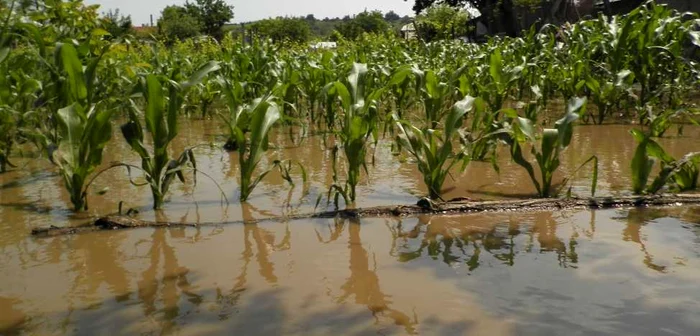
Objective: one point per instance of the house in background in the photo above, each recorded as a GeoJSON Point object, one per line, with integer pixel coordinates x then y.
{"type": "Point", "coordinates": [408, 31]}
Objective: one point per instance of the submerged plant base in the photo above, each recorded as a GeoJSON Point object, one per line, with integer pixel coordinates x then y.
{"type": "Point", "coordinates": [457, 206]}
{"type": "Point", "coordinates": [231, 145]}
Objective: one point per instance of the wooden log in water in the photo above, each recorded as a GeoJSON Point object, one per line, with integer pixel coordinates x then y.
{"type": "Point", "coordinates": [458, 206]}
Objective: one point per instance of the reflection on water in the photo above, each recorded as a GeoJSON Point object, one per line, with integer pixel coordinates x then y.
{"type": "Point", "coordinates": [449, 240]}
{"type": "Point", "coordinates": [606, 272]}
{"type": "Point", "coordinates": [363, 282]}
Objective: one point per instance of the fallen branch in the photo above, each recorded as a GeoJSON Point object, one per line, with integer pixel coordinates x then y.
{"type": "Point", "coordinates": [458, 206]}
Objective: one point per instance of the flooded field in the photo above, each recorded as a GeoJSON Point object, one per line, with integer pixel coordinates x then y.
{"type": "Point", "coordinates": [574, 272]}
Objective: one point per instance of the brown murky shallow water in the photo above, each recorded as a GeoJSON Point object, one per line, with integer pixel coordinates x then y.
{"type": "Point", "coordinates": [575, 272]}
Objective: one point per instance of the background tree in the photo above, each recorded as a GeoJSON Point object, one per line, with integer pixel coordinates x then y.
{"type": "Point", "coordinates": [365, 22]}
{"type": "Point", "coordinates": [283, 29]}
{"type": "Point", "coordinates": [442, 21]}
{"type": "Point", "coordinates": [176, 22]}
{"type": "Point", "coordinates": [212, 16]}
{"type": "Point", "coordinates": [502, 15]}
{"type": "Point", "coordinates": [391, 16]}
{"type": "Point", "coordinates": [116, 24]}
{"type": "Point", "coordinates": [499, 15]}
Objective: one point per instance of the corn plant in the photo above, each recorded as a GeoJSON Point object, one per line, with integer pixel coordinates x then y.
{"type": "Point", "coordinates": [434, 150]}
{"type": "Point", "coordinates": [435, 94]}
{"type": "Point", "coordinates": [206, 94]}
{"type": "Point", "coordinates": [403, 85]}
{"type": "Point", "coordinates": [83, 127]}
{"type": "Point", "coordinates": [235, 120]}
{"type": "Point", "coordinates": [358, 124]}
{"type": "Point", "coordinates": [606, 94]}
{"type": "Point", "coordinates": [681, 174]}
{"type": "Point", "coordinates": [258, 117]}
{"type": "Point", "coordinates": [553, 142]}
{"type": "Point", "coordinates": [8, 133]}
{"type": "Point", "coordinates": [160, 117]}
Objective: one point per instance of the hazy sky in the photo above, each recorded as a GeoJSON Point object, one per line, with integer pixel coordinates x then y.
{"type": "Point", "coordinates": [250, 10]}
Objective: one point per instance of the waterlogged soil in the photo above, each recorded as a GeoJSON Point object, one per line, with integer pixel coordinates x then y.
{"type": "Point", "coordinates": [627, 271]}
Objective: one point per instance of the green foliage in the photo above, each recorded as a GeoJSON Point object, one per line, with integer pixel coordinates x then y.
{"type": "Point", "coordinates": [258, 117]}
{"type": "Point", "coordinates": [212, 15]}
{"type": "Point", "coordinates": [553, 142]}
{"type": "Point", "coordinates": [8, 135]}
{"type": "Point", "coordinates": [365, 22]}
{"type": "Point", "coordinates": [283, 29]}
{"type": "Point", "coordinates": [641, 66]}
{"type": "Point", "coordinates": [83, 127]}
{"type": "Point", "coordinates": [177, 23]}
{"type": "Point", "coordinates": [160, 116]}
{"type": "Point", "coordinates": [681, 174]}
{"type": "Point", "coordinates": [442, 21]}
{"type": "Point", "coordinates": [434, 150]}
{"type": "Point", "coordinates": [359, 105]}
{"type": "Point", "coordinates": [116, 24]}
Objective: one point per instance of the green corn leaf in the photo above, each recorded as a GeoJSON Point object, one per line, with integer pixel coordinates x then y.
{"type": "Point", "coordinates": [264, 117]}
{"type": "Point", "coordinates": [200, 74]}
{"type": "Point", "coordinates": [154, 110]}
{"type": "Point", "coordinates": [550, 145]}
{"type": "Point", "coordinates": [73, 69]}
{"type": "Point", "coordinates": [4, 52]}
{"type": "Point", "coordinates": [496, 66]}
{"type": "Point", "coordinates": [456, 116]}
{"type": "Point", "coordinates": [641, 168]}
{"type": "Point", "coordinates": [133, 134]}
{"type": "Point", "coordinates": [72, 125]}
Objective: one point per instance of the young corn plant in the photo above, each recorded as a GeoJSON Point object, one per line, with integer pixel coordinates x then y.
{"type": "Point", "coordinates": [83, 128]}
{"type": "Point", "coordinates": [358, 124]}
{"type": "Point", "coordinates": [434, 150]}
{"type": "Point", "coordinates": [606, 94]}
{"type": "Point", "coordinates": [8, 120]}
{"type": "Point", "coordinates": [402, 86]}
{"type": "Point", "coordinates": [681, 175]}
{"type": "Point", "coordinates": [258, 117]}
{"type": "Point", "coordinates": [160, 118]}
{"type": "Point", "coordinates": [207, 93]}
{"type": "Point", "coordinates": [435, 95]}
{"type": "Point", "coordinates": [553, 142]}
{"type": "Point", "coordinates": [236, 120]}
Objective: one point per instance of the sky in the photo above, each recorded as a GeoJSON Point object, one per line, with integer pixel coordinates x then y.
{"type": "Point", "coordinates": [251, 10]}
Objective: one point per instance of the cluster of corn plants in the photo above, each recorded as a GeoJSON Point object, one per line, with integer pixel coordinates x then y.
{"type": "Point", "coordinates": [552, 142]}
{"type": "Point", "coordinates": [680, 175]}
{"type": "Point", "coordinates": [62, 79]}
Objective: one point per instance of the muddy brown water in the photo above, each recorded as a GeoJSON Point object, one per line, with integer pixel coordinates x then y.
{"type": "Point", "coordinates": [581, 272]}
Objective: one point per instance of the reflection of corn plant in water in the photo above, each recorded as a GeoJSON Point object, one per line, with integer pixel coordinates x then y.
{"type": "Point", "coordinates": [553, 142]}
{"type": "Point", "coordinates": [434, 150]}
{"type": "Point", "coordinates": [681, 174]}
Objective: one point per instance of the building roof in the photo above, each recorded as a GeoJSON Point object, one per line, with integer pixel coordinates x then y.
{"type": "Point", "coordinates": [408, 27]}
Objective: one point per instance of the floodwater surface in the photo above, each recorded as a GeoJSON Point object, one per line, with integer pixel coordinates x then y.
{"type": "Point", "coordinates": [633, 272]}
